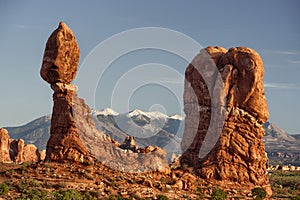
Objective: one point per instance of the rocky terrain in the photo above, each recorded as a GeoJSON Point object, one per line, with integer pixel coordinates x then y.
{"type": "Point", "coordinates": [17, 151]}
{"type": "Point", "coordinates": [282, 148]}
{"type": "Point", "coordinates": [223, 153]}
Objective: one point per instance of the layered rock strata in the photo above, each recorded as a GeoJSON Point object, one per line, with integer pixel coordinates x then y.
{"type": "Point", "coordinates": [226, 108]}
{"type": "Point", "coordinates": [73, 134]}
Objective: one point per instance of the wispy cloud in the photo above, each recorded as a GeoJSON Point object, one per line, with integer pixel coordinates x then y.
{"type": "Point", "coordinates": [281, 86]}
{"type": "Point", "coordinates": [281, 52]}
{"type": "Point", "coordinates": [19, 26]}
{"type": "Point", "coordinates": [172, 81]}
{"type": "Point", "coordinates": [294, 61]}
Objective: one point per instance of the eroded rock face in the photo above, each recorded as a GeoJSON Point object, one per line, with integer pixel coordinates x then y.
{"type": "Point", "coordinates": [64, 142]}
{"type": "Point", "coordinates": [16, 150]}
{"type": "Point", "coordinates": [73, 134]}
{"type": "Point", "coordinates": [61, 56]}
{"type": "Point", "coordinates": [224, 119]}
{"type": "Point", "coordinates": [4, 146]}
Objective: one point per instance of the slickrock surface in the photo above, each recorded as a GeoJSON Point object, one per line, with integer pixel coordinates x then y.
{"type": "Point", "coordinates": [73, 134]}
{"type": "Point", "coordinates": [224, 119]}
{"type": "Point", "coordinates": [16, 151]}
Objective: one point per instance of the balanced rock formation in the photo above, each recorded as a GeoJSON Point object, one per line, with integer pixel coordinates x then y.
{"type": "Point", "coordinates": [226, 108]}
{"type": "Point", "coordinates": [59, 67]}
{"type": "Point", "coordinates": [73, 134]}
{"type": "Point", "coordinates": [16, 150]}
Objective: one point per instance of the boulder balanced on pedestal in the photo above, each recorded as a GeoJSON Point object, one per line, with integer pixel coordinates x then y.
{"type": "Point", "coordinates": [73, 134]}
{"type": "Point", "coordinates": [60, 63]}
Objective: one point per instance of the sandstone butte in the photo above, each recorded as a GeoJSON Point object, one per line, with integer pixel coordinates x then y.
{"type": "Point", "coordinates": [225, 109]}
{"type": "Point", "coordinates": [73, 134]}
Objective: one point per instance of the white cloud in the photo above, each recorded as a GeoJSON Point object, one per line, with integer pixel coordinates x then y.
{"type": "Point", "coordinates": [294, 61]}
{"type": "Point", "coordinates": [172, 81]}
{"type": "Point", "coordinates": [19, 26]}
{"type": "Point", "coordinates": [281, 52]}
{"type": "Point", "coordinates": [281, 86]}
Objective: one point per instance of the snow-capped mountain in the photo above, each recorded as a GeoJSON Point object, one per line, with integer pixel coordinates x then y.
{"type": "Point", "coordinates": [151, 115]}
{"type": "Point", "coordinates": [156, 129]}
{"type": "Point", "coordinates": [177, 117]}
{"type": "Point", "coordinates": [149, 128]}
{"type": "Point", "coordinates": [105, 112]}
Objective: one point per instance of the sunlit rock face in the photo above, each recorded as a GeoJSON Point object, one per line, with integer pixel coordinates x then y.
{"type": "Point", "coordinates": [225, 109]}
{"type": "Point", "coordinates": [61, 56]}
{"type": "Point", "coordinates": [73, 134]}
{"type": "Point", "coordinates": [16, 150]}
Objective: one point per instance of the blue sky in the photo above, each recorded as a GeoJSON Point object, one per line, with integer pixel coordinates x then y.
{"type": "Point", "coordinates": [272, 28]}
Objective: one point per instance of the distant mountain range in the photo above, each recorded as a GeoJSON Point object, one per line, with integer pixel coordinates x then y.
{"type": "Point", "coordinates": [157, 129]}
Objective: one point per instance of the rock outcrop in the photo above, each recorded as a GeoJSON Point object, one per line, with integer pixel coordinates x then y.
{"type": "Point", "coordinates": [16, 150]}
{"type": "Point", "coordinates": [226, 108]}
{"type": "Point", "coordinates": [73, 134]}
{"type": "Point", "coordinates": [61, 56]}
{"type": "Point", "coordinates": [60, 63]}
{"type": "Point", "coordinates": [129, 143]}
{"type": "Point", "coordinates": [4, 146]}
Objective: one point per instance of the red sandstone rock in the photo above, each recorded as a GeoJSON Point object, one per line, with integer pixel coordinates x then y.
{"type": "Point", "coordinates": [4, 146]}
{"type": "Point", "coordinates": [16, 151]}
{"type": "Point", "coordinates": [64, 142]}
{"type": "Point", "coordinates": [17, 147]}
{"type": "Point", "coordinates": [73, 134]}
{"type": "Point", "coordinates": [224, 119]}
{"type": "Point", "coordinates": [61, 56]}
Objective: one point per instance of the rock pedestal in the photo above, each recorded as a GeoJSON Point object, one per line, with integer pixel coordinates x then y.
{"type": "Point", "coordinates": [223, 138]}
{"type": "Point", "coordinates": [64, 142]}
{"type": "Point", "coordinates": [60, 63]}
{"type": "Point", "coordinates": [73, 134]}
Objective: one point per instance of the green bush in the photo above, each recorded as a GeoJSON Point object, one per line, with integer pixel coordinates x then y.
{"type": "Point", "coordinates": [114, 197]}
{"type": "Point", "coordinates": [4, 188]}
{"type": "Point", "coordinates": [72, 195]}
{"type": "Point", "coordinates": [33, 194]}
{"type": "Point", "coordinates": [296, 197]}
{"type": "Point", "coordinates": [218, 194]}
{"type": "Point", "coordinates": [259, 193]}
{"type": "Point", "coordinates": [67, 195]}
{"type": "Point", "coordinates": [162, 197]}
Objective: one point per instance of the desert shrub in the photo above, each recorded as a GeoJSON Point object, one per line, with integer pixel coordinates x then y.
{"type": "Point", "coordinates": [4, 188]}
{"type": "Point", "coordinates": [25, 185]}
{"type": "Point", "coordinates": [163, 180]}
{"type": "Point", "coordinates": [67, 194]}
{"type": "Point", "coordinates": [33, 194]}
{"type": "Point", "coordinates": [199, 189]}
{"type": "Point", "coordinates": [72, 195]}
{"type": "Point", "coordinates": [218, 194]}
{"type": "Point", "coordinates": [114, 197]}
{"type": "Point", "coordinates": [285, 179]}
{"type": "Point", "coordinates": [296, 197]}
{"type": "Point", "coordinates": [162, 197]}
{"type": "Point", "coordinates": [87, 176]}
{"type": "Point", "coordinates": [259, 193]}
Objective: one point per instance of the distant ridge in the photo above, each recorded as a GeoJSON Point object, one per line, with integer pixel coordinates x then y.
{"type": "Point", "coordinates": [277, 141]}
